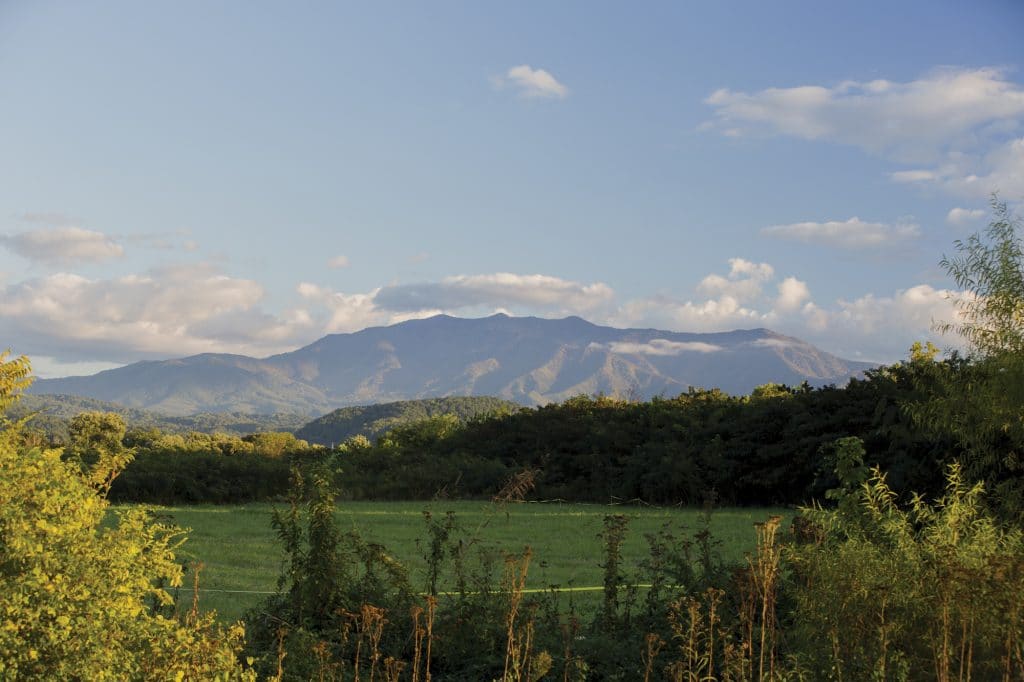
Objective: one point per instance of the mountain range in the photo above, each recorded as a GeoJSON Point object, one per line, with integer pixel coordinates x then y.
{"type": "Point", "coordinates": [528, 360]}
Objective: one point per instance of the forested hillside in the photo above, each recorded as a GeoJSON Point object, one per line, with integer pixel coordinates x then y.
{"type": "Point", "coordinates": [372, 421]}
{"type": "Point", "coordinates": [774, 446]}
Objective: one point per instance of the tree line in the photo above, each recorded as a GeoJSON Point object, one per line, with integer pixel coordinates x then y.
{"type": "Point", "coordinates": [772, 447]}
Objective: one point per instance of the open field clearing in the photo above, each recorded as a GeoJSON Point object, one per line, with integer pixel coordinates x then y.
{"type": "Point", "coordinates": [241, 555]}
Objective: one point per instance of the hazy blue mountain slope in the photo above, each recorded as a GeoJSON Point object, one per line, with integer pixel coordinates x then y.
{"type": "Point", "coordinates": [524, 359]}
{"type": "Point", "coordinates": [201, 383]}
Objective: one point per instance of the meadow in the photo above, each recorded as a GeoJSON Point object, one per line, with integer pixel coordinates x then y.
{"type": "Point", "coordinates": [241, 555]}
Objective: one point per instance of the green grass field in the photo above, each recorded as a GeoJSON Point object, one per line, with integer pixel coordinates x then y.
{"type": "Point", "coordinates": [241, 555]}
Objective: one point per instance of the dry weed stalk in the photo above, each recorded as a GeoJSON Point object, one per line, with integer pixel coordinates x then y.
{"type": "Point", "coordinates": [418, 633]}
{"type": "Point", "coordinates": [282, 632]}
{"type": "Point", "coordinates": [193, 614]}
{"type": "Point", "coordinates": [654, 645]}
{"type": "Point", "coordinates": [765, 573]}
{"type": "Point", "coordinates": [685, 619]}
{"type": "Point", "coordinates": [516, 487]}
{"type": "Point", "coordinates": [370, 625]}
{"type": "Point", "coordinates": [327, 669]}
{"type": "Point", "coordinates": [393, 668]}
{"type": "Point", "coordinates": [431, 608]}
{"type": "Point", "coordinates": [517, 649]}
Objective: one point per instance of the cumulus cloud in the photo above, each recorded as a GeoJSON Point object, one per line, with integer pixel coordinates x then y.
{"type": "Point", "coordinates": [171, 311]}
{"type": "Point", "coordinates": [187, 309]}
{"type": "Point", "coordinates": [662, 347]}
{"type": "Point", "coordinates": [346, 312]}
{"type": "Point", "coordinates": [847, 234]}
{"type": "Point", "coordinates": [498, 289]}
{"type": "Point", "coordinates": [63, 245]}
{"type": "Point", "coordinates": [881, 327]}
{"type": "Point", "coordinates": [792, 294]}
{"type": "Point", "coordinates": [870, 326]}
{"type": "Point", "coordinates": [743, 283]}
{"type": "Point", "coordinates": [911, 308]}
{"type": "Point", "coordinates": [664, 312]}
{"type": "Point", "coordinates": [919, 119]}
{"type": "Point", "coordinates": [971, 176]}
{"type": "Point", "coordinates": [489, 293]}
{"type": "Point", "coordinates": [964, 216]}
{"type": "Point", "coordinates": [732, 301]}
{"type": "Point", "coordinates": [338, 262]}
{"type": "Point", "coordinates": [533, 83]}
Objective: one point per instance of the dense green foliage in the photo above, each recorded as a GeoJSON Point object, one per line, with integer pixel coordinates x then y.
{"type": "Point", "coordinates": [917, 590]}
{"type": "Point", "coordinates": [213, 468]}
{"type": "Point", "coordinates": [981, 403]}
{"type": "Point", "coordinates": [773, 447]}
{"type": "Point", "coordinates": [372, 421]}
{"type": "Point", "coordinates": [79, 600]}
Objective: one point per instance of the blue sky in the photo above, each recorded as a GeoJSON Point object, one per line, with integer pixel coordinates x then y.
{"type": "Point", "coordinates": [245, 177]}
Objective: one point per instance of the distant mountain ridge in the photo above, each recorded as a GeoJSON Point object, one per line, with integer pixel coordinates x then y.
{"type": "Point", "coordinates": [528, 360]}
{"type": "Point", "coordinates": [51, 414]}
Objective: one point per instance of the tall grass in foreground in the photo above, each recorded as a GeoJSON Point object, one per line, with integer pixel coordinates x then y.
{"type": "Point", "coordinates": [868, 590]}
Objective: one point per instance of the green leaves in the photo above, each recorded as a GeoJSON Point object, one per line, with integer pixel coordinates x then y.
{"type": "Point", "coordinates": [990, 270]}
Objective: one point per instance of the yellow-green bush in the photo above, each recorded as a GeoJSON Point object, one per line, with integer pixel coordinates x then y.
{"type": "Point", "coordinates": [78, 598]}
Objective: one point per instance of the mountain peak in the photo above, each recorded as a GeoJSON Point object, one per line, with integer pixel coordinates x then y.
{"type": "Point", "coordinates": [530, 360]}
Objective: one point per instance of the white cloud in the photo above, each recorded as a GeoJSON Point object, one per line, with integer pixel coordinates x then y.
{"type": "Point", "coordinates": [498, 289]}
{"type": "Point", "coordinates": [533, 83]}
{"type": "Point", "coordinates": [880, 326]}
{"type": "Point", "coordinates": [773, 343]}
{"type": "Point", "coordinates": [739, 267]}
{"type": "Point", "coordinates": [741, 289]}
{"type": "Point", "coordinates": [187, 309]}
{"type": "Point", "coordinates": [338, 262]}
{"type": "Point", "coordinates": [662, 347]}
{"type": "Point", "coordinates": [964, 216]}
{"type": "Point", "coordinates": [847, 234]}
{"type": "Point", "coordinates": [171, 311]}
{"type": "Point", "coordinates": [908, 176]}
{"type": "Point", "coordinates": [46, 367]}
{"type": "Point", "coordinates": [63, 245]}
{"type": "Point", "coordinates": [959, 126]}
{"type": "Point", "coordinates": [690, 316]}
{"type": "Point", "coordinates": [792, 294]}
{"type": "Point", "coordinates": [346, 312]}
{"type": "Point", "coordinates": [869, 327]}
{"type": "Point", "coordinates": [920, 119]}
{"type": "Point", "coordinates": [1000, 170]}
{"type": "Point", "coordinates": [743, 283]}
